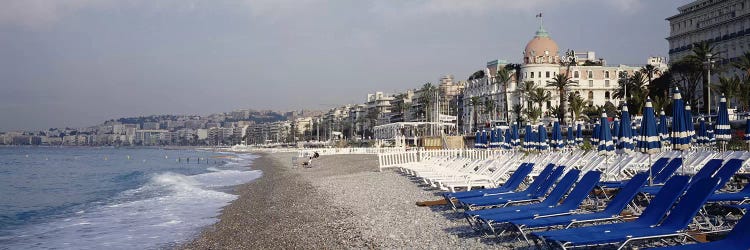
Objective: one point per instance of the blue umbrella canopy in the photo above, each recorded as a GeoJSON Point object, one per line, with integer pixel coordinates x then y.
{"type": "Point", "coordinates": [557, 141]}
{"type": "Point", "coordinates": [595, 134]}
{"type": "Point", "coordinates": [498, 137]}
{"type": "Point", "coordinates": [689, 120]}
{"type": "Point", "coordinates": [571, 137]}
{"type": "Point", "coordinates": [722, 129]}
{"type": "Point", "coordinates": [542, 138]}
{"type": "Point", "coordinates": [701, 136]}
{"type": "Point", "coordinates": [508, 143]}
{"type": "Point", "coordinates": [478, 139]}
{"type": "Point", "coordinates": [516, 139]}
{"type": "Point", "coordinates": [625, 143]}
{"type": "Point", "coordinates": [606, 146]}
{"type": "Point", "coordinates": [528, 139]}
{"type": "Point", "coordinates": [579, 134]}
{"type": "Point", "coordinates": [649, 141]}
{"type": "Point", "coordinates": [616, 130]}
{"type": "Point", "coordinates": [493, 143]}
{"type": "Point", "coordinates": [662, 130]}
{"type": "Point", "coordinates": [680, 134]}
{"type": "Point", "coordinates": [747, 131]}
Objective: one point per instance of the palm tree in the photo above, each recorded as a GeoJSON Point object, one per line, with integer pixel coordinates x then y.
{"type": "Point", "coordinates": [649, 70]}
{"type": "Point", "coordinates": [703, 52]}
{"type": "Point", "coordinates": [475, 103]}
{"type": "Point", "coordinates": [728, 86]}
{"type": "Point", "coordinates": [562, 83]}
{"type": "Point", "coordinates": [427, 99]}
{"type": "Point", "coordinates": [576, 103]}
{"type": "Point", "coordinates": [744, 63]}
{"type": "Point", "coordinates": [489, 107]}
{"type": "Point", "coordinates": [503, 77]}
{"type": "Point", "coordinates": [518, 111]}
{"type": "Point", "coordinates": [524, 91]}
{"type": "Point", "coordinates": [540, 96]}
{"type": "Point", "coordinates": [744, 94]}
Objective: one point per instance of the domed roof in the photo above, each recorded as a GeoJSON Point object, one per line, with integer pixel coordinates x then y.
{"type": "Point", "coordinates": [541, 46]}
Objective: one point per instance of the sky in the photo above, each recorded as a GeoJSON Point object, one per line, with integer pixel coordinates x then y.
{"type": "Point", "coordinates": [77, 63]}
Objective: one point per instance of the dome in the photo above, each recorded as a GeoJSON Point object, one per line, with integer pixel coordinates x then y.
{"type": "Point", "coordinates": [541, 49]}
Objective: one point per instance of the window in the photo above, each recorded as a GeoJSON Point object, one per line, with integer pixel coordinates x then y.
{"type": "Point", "coordinates": [591, 74]}
{"type": "Point", "coordinates": [606, 95]}
{"type": "Point", "coordinates": [525, 75]}
{"type": "Point", "coordinates": [532, 74]}
{"type": "Point", "coordinates": [606, 74]}
{"type": "Point", "coordinates": [547, 74]}
{"type": "Point", "coordinates": [591, 98]}
{"type": "Point", "coordinates": [575, 74]}
{"type": "Point", "coordinates": [540, 74]}
{"type": "Point", "coordinates": [606, 83]}
{"type": "Point", "coordinates": [591, 83]}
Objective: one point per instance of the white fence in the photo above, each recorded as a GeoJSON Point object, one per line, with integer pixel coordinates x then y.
{"type": "Point", "coordinates": [394, 159]}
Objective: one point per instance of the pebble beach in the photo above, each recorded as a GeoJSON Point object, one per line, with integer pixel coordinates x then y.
{"type": "Point", "coordinates": [342, 201]}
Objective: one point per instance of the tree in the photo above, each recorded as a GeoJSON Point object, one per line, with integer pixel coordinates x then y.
{"type": "Point", "coordinates": [503, 77]}
{"type": "Point", "coordinates": [743, 63]}
{"type": "Point", "coordinates": [687, 74]}
{"type": "Point", "coordinates": [518, 111]}
{"type": "Point", "coordinates": [744, 94]}
{"type": "Point", "coordinates": [426, 99]}
{"type": "Point", "coordinates": [728, 86]}
{"type": "Point", "coordinates": [539, 96]}
{"type": "Point", "coordinates": [703, 52]}
{"type": "Point", "coordinates": [576, 103]}
{"type": "Point", "coordinates": [475, 102]}
{"type": "Point", "coordinates": [489, 107]}
{"type": "Point", "coordinates": [562, 83]}
{"type": "Point", "coordinates": [649, 70]}
{"type": "Point", "coordinates": [372, 118]}
{"type": "Point", "coordinates": [525, 90]}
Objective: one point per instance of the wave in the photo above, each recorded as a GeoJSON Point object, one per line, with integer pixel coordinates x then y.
{"type": "Point", "coordinates": [168, 209]}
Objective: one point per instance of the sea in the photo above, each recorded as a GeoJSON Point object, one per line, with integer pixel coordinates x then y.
{"type": "Point", "coordinates": [113, 198]}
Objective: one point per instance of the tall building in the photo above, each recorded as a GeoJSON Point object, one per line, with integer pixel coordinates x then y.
{"type": "Point", "coordinates": [723, 23]}
{"type": "Point", "coordinates": [486, 99]}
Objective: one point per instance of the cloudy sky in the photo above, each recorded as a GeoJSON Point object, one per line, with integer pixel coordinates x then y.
{"type": "Point", "coordinates": [79, 62]}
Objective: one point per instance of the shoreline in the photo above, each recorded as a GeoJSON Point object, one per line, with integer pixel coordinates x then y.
{"type": "Point", "coordinates": [341, 202]}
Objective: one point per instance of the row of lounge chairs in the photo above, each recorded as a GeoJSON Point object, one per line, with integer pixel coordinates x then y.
{"type": "Point", "coordinates": [568, 207]}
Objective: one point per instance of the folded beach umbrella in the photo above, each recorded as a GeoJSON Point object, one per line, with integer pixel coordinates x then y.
{"type": "Point", "coordinates": [680, 135]}
{"type": "Point", "coordinates": [710, 134]}
{"type": "Point", "coordinates": [571, 137]}
{"type": "Point", "coordinates": [747, 133]}
{"type": "Point", "coordinates": [528, 141]}
{"type": "Point", "coordinates": [722, 131]}
{"type": "Point", "coordinates": [516, 139]}
{"type": "Point", "coordinates": [606, 146]}
{"type": "Point", "coordinates": [595, 135]}
{"type": "Point", "coordinates": [649, 142]}
{"type": "Point", "coordinates": [508, 143]}
{"type": "Point", "coordinates": [579, 134]}
{"type": "Point", "coordinates": [615, 130]}
{"type": "Point", "coordinates": [689, 120]}
{"type": "Point", "coordinates": [542, 138]}
{"type": "Point", "coordinates": [701, 136]}
{"type": "Point", "coordinates": [625, 144]}
{"type": "Point", "coordinates": [556, 140]}
{"type": "Point", "coordinates": [662, 130]}
{"type": "Point", "coordinates": [492, 139]}
{"type": "Point", "coordinates": [478, 139]}
{"type": "Point", "coordinates": [485, 139]}
{"type": "Point", "coordinates": [498, 138]}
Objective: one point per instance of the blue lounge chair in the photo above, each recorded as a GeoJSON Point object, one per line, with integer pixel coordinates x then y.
{"type": "Point", "coordinates": [706, 171]}
{"type": "Point", "coordinates": [657, 166]}
{"type": "Point", "coordinates": [611, 212]}
{"type": "Point", "coordinates": [651, 215]}
{"type": "Point", "coordinates": [569, 205]}
{"type": "Point", "coordinates": [511, 184]}
{"type": "Point", "coordinates": [673, 225]}
{"type": "Point", "coordinates": [668, 170]}
{"type": "Point", "coordinates": [553, 198]}
{"type": "Point", "coordinates": [741, 196]}
{"type": "Point", "coordinates": [736, 239]}
{"type": "Point", "coordinates": [528, 195]}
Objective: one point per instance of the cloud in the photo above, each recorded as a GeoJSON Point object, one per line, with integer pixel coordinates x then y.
{"type": "Point", "coordinates": [37, 13]}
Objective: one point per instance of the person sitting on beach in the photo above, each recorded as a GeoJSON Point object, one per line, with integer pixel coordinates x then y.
{"type": "Point", "coordinates": [308, 163]}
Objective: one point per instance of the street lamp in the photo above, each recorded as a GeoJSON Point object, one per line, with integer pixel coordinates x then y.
{"type": "Point", "coordinates": [708, 79]}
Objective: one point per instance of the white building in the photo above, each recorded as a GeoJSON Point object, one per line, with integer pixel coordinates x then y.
{"type": "Point", "coordinates": [596, 82]}
{"type": "Point", "coordinates": [723, 23]}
